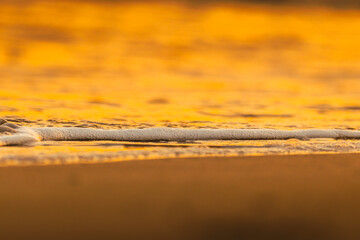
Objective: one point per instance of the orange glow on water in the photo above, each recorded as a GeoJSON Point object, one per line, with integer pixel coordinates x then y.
{"type": "Point", "coordinates": [150, 64]}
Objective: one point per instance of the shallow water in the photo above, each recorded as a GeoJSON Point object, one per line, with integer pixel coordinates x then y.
{"type": "Point", "coordinates": [138, 65]}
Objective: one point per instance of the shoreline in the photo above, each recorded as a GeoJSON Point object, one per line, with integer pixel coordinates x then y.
{"type": "Point", "coordinates": [58, 153]}
{"type": "Point", "coordinates": [185, 158]}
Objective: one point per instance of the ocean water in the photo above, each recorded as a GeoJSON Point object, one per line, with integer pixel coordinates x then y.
{"type": "Point", "coordinates": [117, 65]}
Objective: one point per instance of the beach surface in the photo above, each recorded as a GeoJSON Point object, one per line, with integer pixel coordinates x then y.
{"type": "Point", "coordinates": [138, 64]}
{"type": "Point", "coordinates": [258, 197]}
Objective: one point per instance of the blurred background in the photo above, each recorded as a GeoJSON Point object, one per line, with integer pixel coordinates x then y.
{"type": "Point", "coordinates": [274, 64]}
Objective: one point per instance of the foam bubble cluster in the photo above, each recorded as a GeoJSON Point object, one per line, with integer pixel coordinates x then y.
{"type": "Point", "coordinates": [17, 135]}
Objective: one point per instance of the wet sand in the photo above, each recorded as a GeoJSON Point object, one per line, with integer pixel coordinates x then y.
{"type": "Point", "coordinates": [259, 197]}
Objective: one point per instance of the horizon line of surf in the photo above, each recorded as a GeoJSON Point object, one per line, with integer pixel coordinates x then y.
{"type": "Point", "coordinates": [28, 135]}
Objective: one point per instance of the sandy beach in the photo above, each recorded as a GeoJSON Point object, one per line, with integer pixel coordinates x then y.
{"type": "Point", "coordinates": [258, 197]}
{"type": "Point", "coordinates": [232, 66]}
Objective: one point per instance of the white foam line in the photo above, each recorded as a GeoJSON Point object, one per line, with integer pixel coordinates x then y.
{"type": "Point", "coordinates": [26, 135]}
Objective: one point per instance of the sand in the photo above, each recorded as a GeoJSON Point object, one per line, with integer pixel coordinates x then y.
{"type": "Point", "coordinates": [131, 65]}
{"type": "Point", "coordinates": [259, 197]}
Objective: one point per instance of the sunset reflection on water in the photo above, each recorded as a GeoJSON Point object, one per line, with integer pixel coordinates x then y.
{"type": "Point", "coordinates": [135, 65]}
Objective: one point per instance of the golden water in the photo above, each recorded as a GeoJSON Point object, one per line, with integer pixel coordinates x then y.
{"type": "Point", "coordinates": [108, 64]}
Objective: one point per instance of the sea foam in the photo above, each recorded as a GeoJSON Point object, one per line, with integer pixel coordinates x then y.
{"type": "Point", "coordinates": [27, 135]}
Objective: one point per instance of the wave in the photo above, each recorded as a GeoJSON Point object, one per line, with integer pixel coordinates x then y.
{"type": "Point", "coordinates": [19, 135]}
